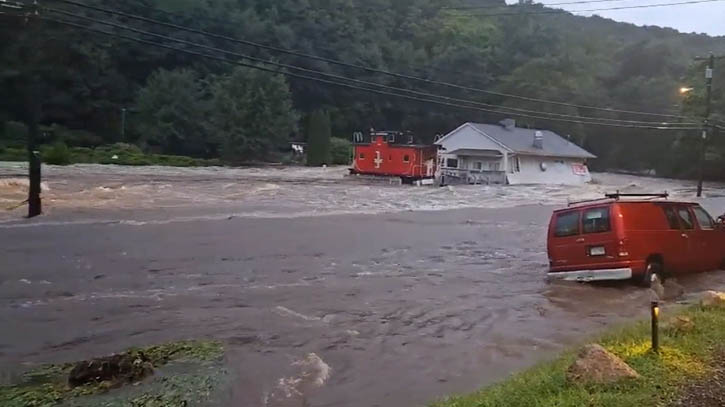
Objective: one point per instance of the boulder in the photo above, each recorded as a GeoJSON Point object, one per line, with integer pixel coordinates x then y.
{"type": "Point", "coordinates": [599, 366]}
{"type": "Point", "coordinates": [679, 324]}
{"type": "Point", "coordinates": [125, 367]}
{"type": "Point", "coordinates": [712, 299]}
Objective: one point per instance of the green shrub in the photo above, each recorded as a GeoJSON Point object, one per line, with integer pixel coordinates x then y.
{"type": "Point", "coordinates": [74, 138]}
{"type": "Point", "coordinates": [14, 154]}
{"type": "Point", "coordinates": [340, 151]}
{"type": "Point", "coordinates": [58, 154]}
{"type": "Point", "coordinates": [82, 155]}
{"type": "Point", "coordinates": [14, 134]}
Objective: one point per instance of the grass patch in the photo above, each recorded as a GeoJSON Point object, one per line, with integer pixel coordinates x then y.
{"type": "Point", "coordinates": [47, 385]}
{"type": "Point", "coordinates": [684, 357]}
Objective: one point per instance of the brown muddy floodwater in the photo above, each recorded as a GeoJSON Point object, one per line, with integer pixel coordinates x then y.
{"type": "Point", "coordinates": [329, 292]}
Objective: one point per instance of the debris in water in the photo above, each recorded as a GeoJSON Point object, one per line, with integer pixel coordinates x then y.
{"type": "Point", "coordinates": [123, 368]}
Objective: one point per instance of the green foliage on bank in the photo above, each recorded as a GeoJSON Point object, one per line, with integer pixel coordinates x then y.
{"type": "Point", "coordinates": [684, 357]}
{"type": "Point", "coordinates": [194, 378]}
{"type": "Point", "coordinates": [118, 154]}
{"type": "Point", "coordinates": [340, 151]}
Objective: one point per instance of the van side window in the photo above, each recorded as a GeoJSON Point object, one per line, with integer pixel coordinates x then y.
{"type": "Point", "coordinates": [704, 218]}
{"type": "Point", "coordinates": [567, 224]}
{"type": "Point", "coordinates": [596, 220]}
{"type": "Point", "coordinates": [672, 217]}
{"type": "Point", "coordinates": [686, 218]}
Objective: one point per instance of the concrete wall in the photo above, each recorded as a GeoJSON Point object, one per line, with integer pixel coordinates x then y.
{"type": "Point", "coordinates": [558, 171]}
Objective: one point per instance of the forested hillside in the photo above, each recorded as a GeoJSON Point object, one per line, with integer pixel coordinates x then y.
{"type": "Point", "coordinates": [180, 103]}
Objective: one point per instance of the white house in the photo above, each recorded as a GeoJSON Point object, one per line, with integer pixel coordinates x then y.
{"type": "Point", "coordinates": [502, 153]}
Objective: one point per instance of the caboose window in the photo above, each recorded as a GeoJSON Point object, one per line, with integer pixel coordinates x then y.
{"type": "Point", "coordinates": [406, 158]}
{"type": "Point", "coordinates": [362, 156]}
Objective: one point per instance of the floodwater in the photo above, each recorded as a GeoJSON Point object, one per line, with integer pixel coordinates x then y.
{"type": "Point", "coordinates": [329, 291]}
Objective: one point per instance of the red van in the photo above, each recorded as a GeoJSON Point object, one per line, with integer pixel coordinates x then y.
{"type": "Point", "coordinates": [642, 237]}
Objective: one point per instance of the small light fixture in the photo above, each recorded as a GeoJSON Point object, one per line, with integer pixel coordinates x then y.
{"type": "Point", "coordinates": [684, 90]}
{"type": "Point", "coordinates": [655, 326]}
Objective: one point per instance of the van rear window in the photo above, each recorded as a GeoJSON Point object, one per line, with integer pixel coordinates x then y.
{"type": "Point", "coordinates": [567, 224]}
{"type": "Point", "coordinates": [596, 220]}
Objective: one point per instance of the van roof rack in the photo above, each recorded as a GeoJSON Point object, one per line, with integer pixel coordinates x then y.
{"type": "Point", "coordinates": [618, 195]}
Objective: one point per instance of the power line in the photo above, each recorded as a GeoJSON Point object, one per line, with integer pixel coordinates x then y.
{"type": "Point", "coordinates": [501, 109]}
{"type": "Point", "coordinates": [589, 10]}
{"type": "Point", "coordinates": [362, 67]}
{"type": "Point", "coordinates": [346, 85]}
{"type": "Point", "coordinates": [485, 6]}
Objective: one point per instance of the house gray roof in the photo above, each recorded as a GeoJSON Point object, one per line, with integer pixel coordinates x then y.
{"type": "Point", "coordinates": [521, 141]}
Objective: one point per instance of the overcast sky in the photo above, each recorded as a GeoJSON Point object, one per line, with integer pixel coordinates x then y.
{"type": "Point", "coordinates": [708, 18]}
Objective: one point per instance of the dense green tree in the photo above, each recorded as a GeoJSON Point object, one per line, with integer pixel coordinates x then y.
{"type": "Point", "coordinates": [171, 110]}
{"type": "Point", "coordinates": [318, 138]}
{"type": "Point", "coordinates": [251, 115]}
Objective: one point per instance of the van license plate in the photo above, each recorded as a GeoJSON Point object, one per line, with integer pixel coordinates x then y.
{"type": "Point", "coordinates": [597, 251]}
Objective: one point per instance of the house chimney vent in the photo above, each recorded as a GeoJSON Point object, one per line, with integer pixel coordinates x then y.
{"type": "Point", "coordinates": [508, 124]}
{"type": "Point", "coordinates": [539, 140]}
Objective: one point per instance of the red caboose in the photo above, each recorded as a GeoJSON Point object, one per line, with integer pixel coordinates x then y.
{"type": "Point", "coordinates": [394, 154]}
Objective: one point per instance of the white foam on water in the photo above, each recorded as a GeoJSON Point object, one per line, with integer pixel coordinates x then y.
{"type": "Point", "coordinates": [312, 373]}
{"type": "Point", "coordinates": [314, 369]}
{"type": "Point", "coordinates": [293, 192]}
{"type": "Point", "coordinates": [286, 312]}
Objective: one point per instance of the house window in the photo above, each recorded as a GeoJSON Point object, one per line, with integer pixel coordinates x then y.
{"type": "Point", "coordinates": [452, 163]}
{"type": "Point", "coordinates": [517, 164]}
{"type": "Point", "coordinates": [362, 156]}
{"type": "Point", "coordinates": [477, 165]}
{"type": "Point", "coordinates": [406, 158]}
{"type": "Point", "coordinates": [494, 166]}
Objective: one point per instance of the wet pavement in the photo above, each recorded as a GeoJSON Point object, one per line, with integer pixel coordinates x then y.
{"type": "Point", "coordinates": [383, 304]}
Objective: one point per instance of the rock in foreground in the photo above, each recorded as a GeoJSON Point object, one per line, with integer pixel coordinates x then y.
{"type": "Point", "coordinates": [597, 365]}
{"type": "Point", "coordinates": [125, 367]}
{"type": "Point", "coordinates": [713, 299]}
{"type": "Point", "coordinates": [679, 324]}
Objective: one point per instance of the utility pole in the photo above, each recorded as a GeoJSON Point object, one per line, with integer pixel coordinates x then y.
{"type": "Point", "coordinates": [34, 175]}
{"type": "Point", "coordinates": [123, 124]}
{"type": "Point", "coordinates": [34, 110]}
{"type": "Point", "coordinates": [706, 124]}
{"type": "Point", "coordinates": [706, 127]}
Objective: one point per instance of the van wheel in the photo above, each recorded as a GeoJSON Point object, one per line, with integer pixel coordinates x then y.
{"type": "Point", "coordinates": [653, 273]}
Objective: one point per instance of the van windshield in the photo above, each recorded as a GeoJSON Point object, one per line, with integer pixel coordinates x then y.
{"type": "Point", "coordinates": [567, 224]}
{"type": "Point", "coordinates": [596, 220]}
